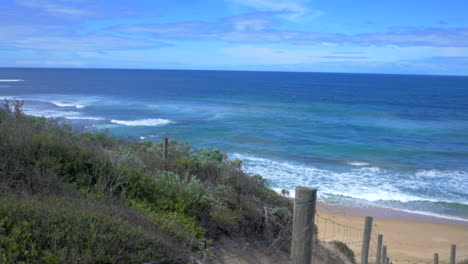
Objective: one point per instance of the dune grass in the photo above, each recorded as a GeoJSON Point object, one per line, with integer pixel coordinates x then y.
{"type": "Point", "coordinates": [71, 197]}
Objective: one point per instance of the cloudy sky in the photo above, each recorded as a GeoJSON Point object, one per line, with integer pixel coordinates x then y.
{"type": "Point", "coordinates": [398, 36]}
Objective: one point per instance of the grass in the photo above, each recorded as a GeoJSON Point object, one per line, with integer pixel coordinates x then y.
{"type": "Point", "coordinates": [69, 197]}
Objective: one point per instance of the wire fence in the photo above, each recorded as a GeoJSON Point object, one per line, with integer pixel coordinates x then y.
{"type": "Point", "coordinates": [445, 259]}
{"type": "Point", "coordinates": [333, 232]}
{"type": "Point", "coordinates": [333, 242]}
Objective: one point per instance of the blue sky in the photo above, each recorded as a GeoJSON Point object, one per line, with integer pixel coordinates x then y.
{"type": "Point", "coordinates": [415, 37]}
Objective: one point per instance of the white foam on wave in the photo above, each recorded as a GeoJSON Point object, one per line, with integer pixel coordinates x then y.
{"type": "Point", "coordinates": [358, 163]}
{"type": "Point", "coordinates": [10, 98]}
{"type": "Point", "coordinates": [11, 80]}
{"type": "Point", "coordinates": [68, 104]}
{"type": "Point", "coordinates": [84, 118]}
{"type": "Point", "coordinates": [433, 173]}
{"type": "Point", "coordinates": [367, 183]}
{"type": "Point", "coordinates": [431, 214]}
{"type": "Point", "coordinates": [143, 122]}
{"type": "Point", "coordinates": [73, 101]}
{"type": "Point", "coordinates": [51, 113]}
{"type": "Point", "coordinates": [34, 110]}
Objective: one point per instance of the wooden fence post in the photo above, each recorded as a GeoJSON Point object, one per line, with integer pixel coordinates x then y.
{"type": "Point", "coordinates": [303, 225]}
{"type": "Point", "coordinates": [436, 258]}
{"type": "Point", "coordinates": [378, 258]}
{"type": "Point", "coordinates": [366, 240]}
{"type": "Point", "coordinates": [165, 143]}
{"type": "Point", "coordinates": [384, 254]}
{"type": "Point", "coordinates": [453, 253]}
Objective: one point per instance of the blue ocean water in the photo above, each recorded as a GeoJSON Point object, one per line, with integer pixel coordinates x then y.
{"type": "Point", "coordinates": [398, 141]}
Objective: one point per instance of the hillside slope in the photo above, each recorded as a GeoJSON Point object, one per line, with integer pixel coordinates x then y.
{"type": "Point", "coordinates": [70, 197]}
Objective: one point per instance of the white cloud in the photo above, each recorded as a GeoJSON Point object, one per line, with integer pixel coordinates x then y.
{"type": "Point", "coordinates": [294, 8]}
{"type": "Point", "coordinates": [44, 25]}
{"type": "Point", "coordinates": [51, 63]}
{"type": "Point", "coordinates": [54, 7]}
{"type": "Point", "coordinates": [84, 43]}
{"type": "Point", "coordinates": [83, 9]}
{"type": "Point", "coordinates": [265, 55]}
{"type": "Point", "coordinates": [250, 24]}
{"type": "Point", "coordinates": [275, 5]}
{"type": "Point", "coordinates": [259, 28]}
{"type": "Point", "coordinates": [56, 38]}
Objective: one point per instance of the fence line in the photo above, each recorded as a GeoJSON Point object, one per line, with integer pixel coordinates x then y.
{"type": "Point", "coordinates": [327, 241]}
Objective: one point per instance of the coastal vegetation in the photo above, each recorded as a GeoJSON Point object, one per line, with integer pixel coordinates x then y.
{"type": "Point", "coordinates": [75, 197]}
{"type": "Point", "coordinates": [345, 250]}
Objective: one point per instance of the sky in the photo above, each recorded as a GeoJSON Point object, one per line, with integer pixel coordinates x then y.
{"type": "Point", "coordinates": [360, 36]}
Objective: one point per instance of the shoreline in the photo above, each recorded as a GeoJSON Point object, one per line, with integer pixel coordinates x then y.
{"type": "Point", "coordinates": [409, 237]}
{"type": "Point", "coordinates": [384, 212]}
{"type": "Point", "coordinates": [389, 213]}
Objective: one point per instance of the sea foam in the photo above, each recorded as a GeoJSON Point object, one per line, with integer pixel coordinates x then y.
{"type": "Point", "coordinates": [11, 80]}
{"type": "Point", "coordinates": [143, 122]}
{"type": "Point", "coordinates": [433, 173]}
{"type": "Point", "coordinates": [52, 113]}
{"type": "Point", "coordinates": [358, 163]}
{"type": "Point", "coordinates": [49, 113]}
{"type": "Point", "coordinates": [73, 101]}
{"type": "Point", "coordinates": [84, 118]}
{"type": "Point", "coordinates": [66, 104]}
{"type": "Point", "coordinates": [367, 183]}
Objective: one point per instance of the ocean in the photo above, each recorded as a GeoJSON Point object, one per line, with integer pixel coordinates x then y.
{"type": "Point", "coordinates": [397, 141]}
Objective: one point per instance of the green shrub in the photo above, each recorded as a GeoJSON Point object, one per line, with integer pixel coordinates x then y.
{"type": "Point", "coordinates": [167, 196]}
{"type": "Point", "coordinates": [32, 232]}
{"type": "Point", "coordinates": [191, 196]}
{"type": "Point", "coordinates": [343, 248]}
{"type": "Point", "coordinates": [206, 156]}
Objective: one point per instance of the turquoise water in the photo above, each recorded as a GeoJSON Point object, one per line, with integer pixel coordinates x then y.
{"type": "Point", "coordinates": [398, 141]}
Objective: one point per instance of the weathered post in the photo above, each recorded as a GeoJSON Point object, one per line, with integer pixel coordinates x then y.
{"type": "Point", "coordinates": [165, 143]}
{"type": "Point", "coordinates": [436, 258]}
{"type": "Point", "coordinates": [384, 254]}
{"type": "Point", "coordinates": [366, 240]}
{"type": "Point", "coordinates": [453, 252]}
{"type": "Point", "coordinates": [388, 261]}
{"type": "Point", "coordinates": [379, 249]}
{"type": "Point", "coordinates": [303, 225]}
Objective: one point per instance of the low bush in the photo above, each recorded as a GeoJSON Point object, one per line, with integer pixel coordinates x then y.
{"type": "Point", "coordinates": [190, 198]}
{"type": "Point", "coordinates": [343, 248]}
{"type": "Point", "coordinates": [32, 231]}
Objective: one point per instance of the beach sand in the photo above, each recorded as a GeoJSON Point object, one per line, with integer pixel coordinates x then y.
{"type": "Point", "coordinates": [410, 238]}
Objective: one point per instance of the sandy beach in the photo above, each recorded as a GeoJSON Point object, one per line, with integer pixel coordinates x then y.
{"type": "Point", "coordinates": [410, 238]}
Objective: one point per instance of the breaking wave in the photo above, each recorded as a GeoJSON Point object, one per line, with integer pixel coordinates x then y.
{"type": "Point", "coordinates": [143, 122]}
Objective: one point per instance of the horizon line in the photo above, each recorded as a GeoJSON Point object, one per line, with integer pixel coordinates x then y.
{"type": "Point", "coordinates": [227, 70]}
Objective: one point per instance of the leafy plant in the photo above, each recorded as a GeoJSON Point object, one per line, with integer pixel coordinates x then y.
{"type": "Point", "coordinates": [343, 248]}
{"type": "Point", "coordinates": [33, 232]}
